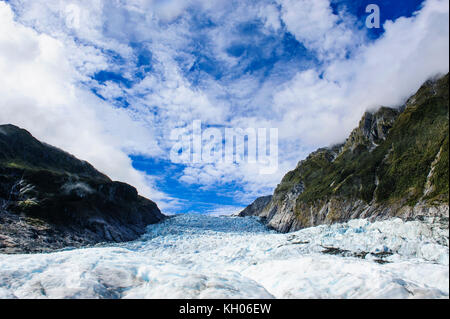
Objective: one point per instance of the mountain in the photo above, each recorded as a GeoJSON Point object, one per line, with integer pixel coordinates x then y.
{"type": "Point", "coordinates": [395, 163]}
{"type": "Point", "coordinates": [50, 200]}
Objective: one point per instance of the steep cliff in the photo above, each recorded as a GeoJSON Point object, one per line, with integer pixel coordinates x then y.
{"type": "Point", "coordinates": [395, 163]}
{"type": "Point", "coordinates": [49, 199]}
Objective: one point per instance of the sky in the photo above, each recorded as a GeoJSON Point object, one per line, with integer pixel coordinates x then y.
{"type": "Point", "coordinates": [111, 80]}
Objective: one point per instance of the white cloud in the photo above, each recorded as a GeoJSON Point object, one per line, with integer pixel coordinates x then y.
{"type": "Point", "coordinates": [39, 93]}
{"type": "Point", "coordinates": [323, 110]}
{"type": "Point", "coordinates": [271, 17]}
{"type": "Point", "coordinates": [315, 25]}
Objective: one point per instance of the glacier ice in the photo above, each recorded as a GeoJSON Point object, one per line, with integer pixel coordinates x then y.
{"type": "Point", "coordinates": [196, 256]}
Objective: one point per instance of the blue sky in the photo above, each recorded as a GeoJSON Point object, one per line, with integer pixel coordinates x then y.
{"type": "Point", "coordinates": [109, 80]}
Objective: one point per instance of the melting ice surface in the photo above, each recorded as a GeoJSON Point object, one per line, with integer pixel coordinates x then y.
{"type": "Point", "coordinates": [194, 256]}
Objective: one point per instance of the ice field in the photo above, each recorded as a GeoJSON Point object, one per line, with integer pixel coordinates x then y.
{"type": "Point", "coordinates": [195, 256]}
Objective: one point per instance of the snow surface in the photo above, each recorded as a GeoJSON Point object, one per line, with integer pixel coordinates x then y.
{"type": "Point", "coordinates": [195, 256]}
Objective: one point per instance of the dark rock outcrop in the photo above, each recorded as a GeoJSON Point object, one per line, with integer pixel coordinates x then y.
{"type": "Point", "coordinates": [258, 205]}
{"type": "Point", "coordinates": [50, 200]}
{"type": "Point", "coordinates": [394, 164]}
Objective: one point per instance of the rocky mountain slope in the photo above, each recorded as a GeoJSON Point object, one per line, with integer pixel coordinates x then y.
{"type": "Point", "coordinates": [49, 199]}
{"type": "Point", "coordinates": [258, 205]}
{"type": "Point", "coordinates": [395, 163]}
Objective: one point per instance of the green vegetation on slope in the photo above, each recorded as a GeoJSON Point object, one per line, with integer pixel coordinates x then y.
{"type": "Point", "coordinates": [416, 139]}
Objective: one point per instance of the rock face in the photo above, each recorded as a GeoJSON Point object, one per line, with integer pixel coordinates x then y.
{"type": "Point", "coordinates": [49, 199]}
{"type": "Point", "coordinates": [257, 206]}
{"type": "Point", "coordinates": [395, 163]}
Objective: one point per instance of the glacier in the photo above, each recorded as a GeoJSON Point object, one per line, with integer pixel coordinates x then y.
{"type": "Point", "coordinates": [198, 256]}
